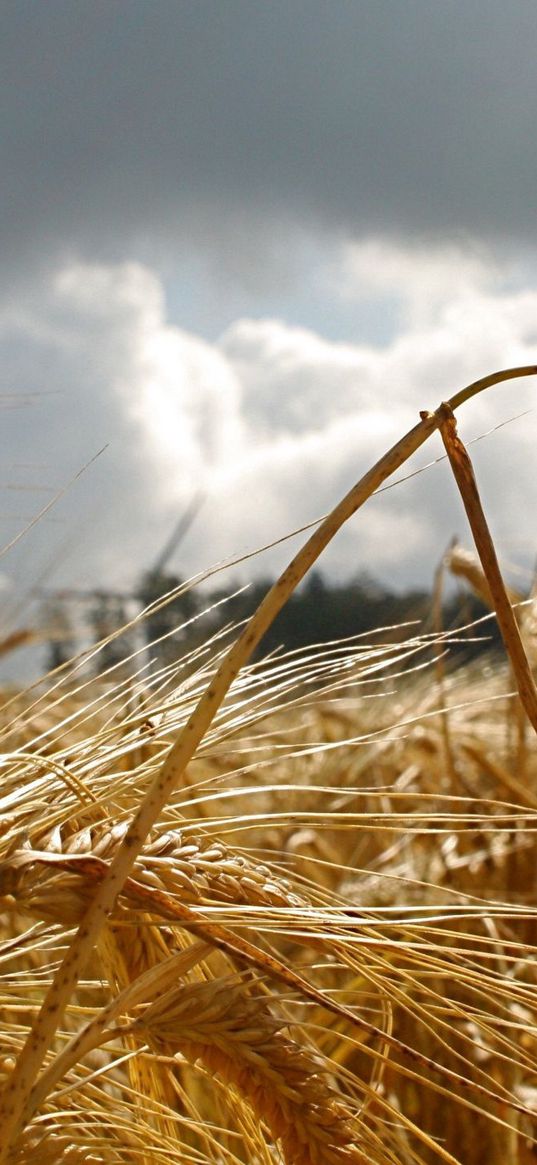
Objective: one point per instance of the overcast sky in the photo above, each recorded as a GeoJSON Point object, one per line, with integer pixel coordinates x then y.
{"type": "Point", "coordinates": [243, 243]}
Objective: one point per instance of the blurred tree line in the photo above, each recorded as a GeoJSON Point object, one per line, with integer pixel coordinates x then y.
{"type": "Point", "coordinates": [321, 611]}
{"type": "Point", "coordinates": [181, 618]}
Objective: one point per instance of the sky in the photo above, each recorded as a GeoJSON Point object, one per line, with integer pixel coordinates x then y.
{"type": "Point", "coordinates": [243, 244]}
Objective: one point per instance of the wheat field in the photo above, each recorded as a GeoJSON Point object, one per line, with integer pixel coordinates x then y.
{"type": "Point", "coordinates": [279, 911]}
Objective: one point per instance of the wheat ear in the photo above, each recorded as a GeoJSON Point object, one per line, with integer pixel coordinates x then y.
{"type": "Point", "coordinates": [235, 1034]}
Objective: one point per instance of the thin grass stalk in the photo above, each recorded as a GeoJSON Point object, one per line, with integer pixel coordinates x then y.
{"type": "Point", "coordinates": [438, 589]}
{"type": "Point", "coordinates": [41, 1035]}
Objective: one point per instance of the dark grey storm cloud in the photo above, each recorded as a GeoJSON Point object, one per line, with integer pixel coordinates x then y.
{"type": "Point", "coordinates": [145, 124]}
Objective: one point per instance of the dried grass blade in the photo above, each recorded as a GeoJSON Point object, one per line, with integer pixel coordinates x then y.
{"type": "Point", "coordinates": [438, 588]}
{"type": "Point", "coordinates": [464, 476]}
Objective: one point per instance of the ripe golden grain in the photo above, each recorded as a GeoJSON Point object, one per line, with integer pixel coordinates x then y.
{"type": "Point", "coordinates": [381, 1012]}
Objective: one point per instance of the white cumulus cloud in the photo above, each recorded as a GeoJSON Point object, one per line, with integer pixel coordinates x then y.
{"type": "Point", "coordinates": [272, 422]}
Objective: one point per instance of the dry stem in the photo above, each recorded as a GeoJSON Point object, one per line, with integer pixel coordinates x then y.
{"type": "Point", "coordinates": [464, 476]}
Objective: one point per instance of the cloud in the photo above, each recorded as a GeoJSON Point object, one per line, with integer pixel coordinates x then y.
{"type": "Point", "coordinates": [273, 422]}
{"type": "Point", "coordinates": [423, 277]}
{"type": "Point", "coordinates": [234, 130]}
{"type": "Point", "coordinates": [284, 372]}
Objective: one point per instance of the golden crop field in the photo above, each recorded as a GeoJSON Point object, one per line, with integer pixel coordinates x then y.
{"type": "Point", "coordinates": [278, 911]}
